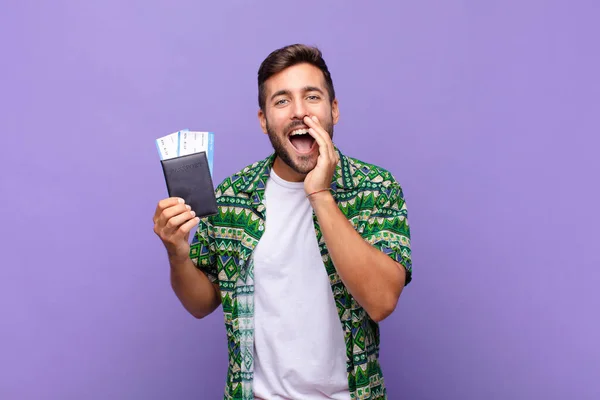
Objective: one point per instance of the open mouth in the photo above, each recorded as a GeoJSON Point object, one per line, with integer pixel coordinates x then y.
{"type": "Point", "coordinates": [302, 141]}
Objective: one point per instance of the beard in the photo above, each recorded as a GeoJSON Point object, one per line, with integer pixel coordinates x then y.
{"type": "Point", "coordinates": [302, 164]}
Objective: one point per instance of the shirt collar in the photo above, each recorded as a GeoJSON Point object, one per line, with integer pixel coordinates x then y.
{"type": "Point", "coordinates": [254, 178]}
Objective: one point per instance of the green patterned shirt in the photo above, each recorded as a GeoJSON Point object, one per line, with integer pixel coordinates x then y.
{"type": "Point", "coordinates": [222, 247]}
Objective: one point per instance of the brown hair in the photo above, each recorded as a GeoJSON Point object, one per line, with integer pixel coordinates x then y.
{"type": "Point", "coordinates": [286, 57]}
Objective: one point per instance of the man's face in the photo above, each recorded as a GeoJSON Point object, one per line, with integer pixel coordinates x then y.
{"type": "Point", "coordinates": [292, 94]}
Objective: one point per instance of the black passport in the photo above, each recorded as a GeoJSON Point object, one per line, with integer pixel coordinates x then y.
{"type": "Point", "coordinates": [189, 177]}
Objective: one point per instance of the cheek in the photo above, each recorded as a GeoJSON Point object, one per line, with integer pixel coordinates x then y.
{"type": "Point", "coordinates": [276, 122]}
{"type": "Point", "coordinates": [322, 112]}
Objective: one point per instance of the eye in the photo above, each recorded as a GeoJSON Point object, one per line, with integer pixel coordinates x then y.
{"type": "Point", "coordinates": [313, 97]}
{"type": "Point", "coordinates": [280, 102]}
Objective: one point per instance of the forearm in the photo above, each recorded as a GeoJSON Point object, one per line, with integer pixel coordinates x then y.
{"type": "Point", "coordinates": [373, 278]}
{"type": "Point", "coordinates": [195, 291]}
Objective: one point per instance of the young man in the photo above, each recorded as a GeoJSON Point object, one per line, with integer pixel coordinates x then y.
{"type": "Point", "coordinates": [309, 251]}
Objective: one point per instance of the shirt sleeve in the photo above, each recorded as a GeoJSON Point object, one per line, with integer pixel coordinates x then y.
{"type": "Point", "coordinates": [202, 249]}
{"type": "Point", "coordinates": [385, 225]}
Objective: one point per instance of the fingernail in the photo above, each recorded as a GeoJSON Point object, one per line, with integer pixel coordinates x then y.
{"type": "Point", "coordinates": [180, 201]}
{"type": "Point", "coordinates": [193, 214]}
{"type": "Point", "coordinates": [188, 207]}
{"type": "Point", "coordinates": [314, 118]}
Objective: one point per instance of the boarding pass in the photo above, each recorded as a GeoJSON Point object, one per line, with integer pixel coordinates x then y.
{"type": "Point", "coordinates": [184, 142]}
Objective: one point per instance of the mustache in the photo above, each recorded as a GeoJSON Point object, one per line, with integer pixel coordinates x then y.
{"type": "Point", "coordinates": [295, 124]}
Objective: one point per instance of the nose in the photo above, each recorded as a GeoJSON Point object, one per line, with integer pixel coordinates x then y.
{"type": "Point", "coordinates": [299, 110]}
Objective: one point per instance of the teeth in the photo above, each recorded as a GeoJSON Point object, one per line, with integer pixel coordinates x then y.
{"type": "Point", "coordinates": [299, 132]}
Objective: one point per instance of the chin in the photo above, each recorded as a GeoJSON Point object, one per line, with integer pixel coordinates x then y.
{"type": "Point", "coordinates": [304, 164]}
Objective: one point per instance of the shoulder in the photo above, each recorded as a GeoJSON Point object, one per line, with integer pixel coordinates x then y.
{"type": "Point", "coordinates": [377, 188]}
{"type": "Point", "coordinates": [366, 175]}
{"type": "Point", "coordinates": [234, 184]}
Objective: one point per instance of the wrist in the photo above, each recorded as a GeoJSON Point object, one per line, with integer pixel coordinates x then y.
{"type": "Point", "coordinates": [319, 199]}
{"type": "Point", "coordinates": [177, 260]}
{"type": "Point", "coordinates": [312, 192]}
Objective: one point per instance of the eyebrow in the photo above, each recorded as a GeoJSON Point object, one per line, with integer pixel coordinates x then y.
{"type": "Point", "coordinates": [304, 89]}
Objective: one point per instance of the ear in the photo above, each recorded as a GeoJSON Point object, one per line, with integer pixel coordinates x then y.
{"type": "Point", "coordinates": [263, 121]}
{"type": "Point", "coordinates": [335, 111]}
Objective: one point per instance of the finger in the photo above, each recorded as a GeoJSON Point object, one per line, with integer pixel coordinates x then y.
{"type": "Point", "coordinates": [184, 230]}
{"type": "Point", "coordinates": [326, 157]}
{"type": "Point", "coordinates": [318, 130]}
{"type": "Point", "coordinates": [174, 223]}
{"type": "Point", "coordinates": [322, 131]}
{"type": "Point", "coordinates": [330, 146]}
{"type": "Point", "coordinates": [171, 212]}
{"type": "Point", "coordinates": [163, 204]}
{"type": "Point", "coordinates": [313, 122]}
{"type": "Point", "coordinates": [324, 134]}
{"type": "Point", "coordinates": [320, 141]}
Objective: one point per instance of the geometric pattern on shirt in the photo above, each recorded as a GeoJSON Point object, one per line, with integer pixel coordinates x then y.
{"type": "Point", "coordinates": [222, 247]}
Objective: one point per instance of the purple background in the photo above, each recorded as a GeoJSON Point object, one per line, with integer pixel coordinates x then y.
{"type": "Point", "coordinates": [486, 112]}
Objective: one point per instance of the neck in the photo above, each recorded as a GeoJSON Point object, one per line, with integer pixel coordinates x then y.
{"type": "Point", "coordinates": [285, 172]}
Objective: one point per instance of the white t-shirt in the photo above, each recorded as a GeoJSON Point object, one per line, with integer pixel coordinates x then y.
{"type": "Point", "coordinates": [299, 348]}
